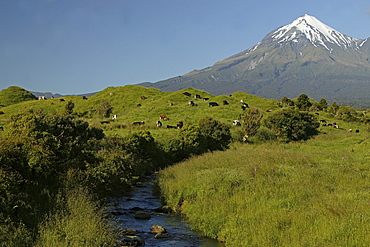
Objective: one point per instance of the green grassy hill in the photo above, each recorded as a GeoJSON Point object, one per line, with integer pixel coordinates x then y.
{"type": "Point", "coordinates": [13, 95]}
{"type": "Point", "coordinates": [130, 106]}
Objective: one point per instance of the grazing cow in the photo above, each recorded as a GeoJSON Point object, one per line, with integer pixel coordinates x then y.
{"type": "Point", "coordinates": [186, 94]}
{"type": "Point", "coordinates": [62, 100]}
{"type": "Point", "coordinates": [138, 105]}
{"type": "Point", "coordinates": [357, 131]}
{"type": "Point", "coordinates": [237, 123]}
{"type": "Point", "coordinates": [138, 123]}
{"type": "Point", "coordinates": [245, 106]}
{"type": "Point", "coordinates": [143, 97]}
{"type": "Point", "coordinates": [84, 97]}
{"type": "Point", "coordinates": [224, 102]}
{"type": "Point", "coordinates": [171, 127]}
{"type": "Point", "coordinates": [322, 121]}
{"type": "Point", "coordinates": [212, 104]}
{"type": "Point", "coordinates": [1, 112]}
{"type": "Point", "coordinates": [170, 104]}
{"type": "Point", "coordinates": [1, 128]}
{"type": "Point", "coordinates": [42, 97]}
{"type": "Point", "coordinates": [197, 96]}
{"type": "Point", "coordinates": [205, 99]}
{"type": "Point", "coordinates": [114, 117]}
{"type": "Point", "coordinates": [330, 125]}
{"type": "Point", "coordinates": [336, 126]}
{"type": "Point", "coordinates": [180, 124]}
{"type": "Point", "coordinates": [158, 124]}
{"type": "Point", "coordinates": [191, 103]}
{"type": "Point", "coordinates": [163, 117]}
{"type": "Point", "coordinates": [350, 130]}
{"type": "Point", "coordinates": [324, 125]}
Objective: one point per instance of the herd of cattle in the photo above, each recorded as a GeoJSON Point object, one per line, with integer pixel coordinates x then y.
{"type": "Point", "coordinates": [180, 124]}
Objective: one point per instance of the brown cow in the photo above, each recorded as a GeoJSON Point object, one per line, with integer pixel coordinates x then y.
{"type": "Point", "coordinates": [180, 124]}
{"type": "Point", "coordinates": [163, 117]}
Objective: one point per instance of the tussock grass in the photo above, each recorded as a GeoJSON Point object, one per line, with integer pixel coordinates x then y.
{"type": "Point", "coordinates": [78, 224]}
{"type": "Point", "coordinates": [314, 193]}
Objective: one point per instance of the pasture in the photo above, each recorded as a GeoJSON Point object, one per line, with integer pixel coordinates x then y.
{"type": "Point", "coordinates": [135, 104]}
{"type": "Point", "coordinates": [313, 193]}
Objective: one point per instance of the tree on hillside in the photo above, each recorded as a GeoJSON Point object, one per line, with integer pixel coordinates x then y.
{"type": "Point", "coordinates": [347, 113]}
{"type": "Point", "coordinates": [216, 134]}
{"type": "Point", "coordinates": [292, 125]}
{"type": "Point", "coordinates": [323, 104]}
{"type": "Point", "coordinates": [251, 120]}
{"type": "Point", "coordinates": [69, 107]}
{"type": "Point", "coordinates": [105, 109]}
{"type": "Point", "coordinates": [285, 102]}
{"type": "Point", "coordinates": [303, 103]}
{"type": "Point", "coordinates": [333, 108]}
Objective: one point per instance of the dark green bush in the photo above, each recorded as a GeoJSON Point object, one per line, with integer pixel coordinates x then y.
{"type": "Point", "coordinates": [292, 125]}
{"type": "Point", "coordinates": [217, 136]}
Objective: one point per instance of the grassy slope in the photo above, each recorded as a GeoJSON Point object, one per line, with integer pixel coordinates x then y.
{"type": "Point", "coordinates": [314, 193]}
{"type": "Point", "coordinates": [124, 101]}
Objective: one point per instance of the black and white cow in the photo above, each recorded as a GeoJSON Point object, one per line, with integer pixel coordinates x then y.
{"type": "Point", "coordinates": [237, 123]}
{"type": "Point", "coordinates": [245, 106]}
{"type": "Point", "coordinates": [158, 124]}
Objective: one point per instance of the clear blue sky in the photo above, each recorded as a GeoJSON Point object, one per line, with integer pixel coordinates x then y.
{"type": "Point", "coordinates": [82, 46]}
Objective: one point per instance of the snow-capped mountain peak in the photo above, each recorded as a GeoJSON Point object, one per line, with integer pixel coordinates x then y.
{"type": "Point", "coordinates": [316, 32]}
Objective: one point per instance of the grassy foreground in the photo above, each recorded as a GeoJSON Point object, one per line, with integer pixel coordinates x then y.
{"type": "Point", "coordinates": [315, 193]}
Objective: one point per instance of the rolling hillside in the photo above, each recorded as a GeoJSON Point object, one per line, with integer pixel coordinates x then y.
{"type": "Point", "coordinates": [128, 104]}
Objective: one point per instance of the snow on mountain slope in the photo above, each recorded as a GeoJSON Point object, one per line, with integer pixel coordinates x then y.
{"type": "Point", "coordinates": [316, 32]}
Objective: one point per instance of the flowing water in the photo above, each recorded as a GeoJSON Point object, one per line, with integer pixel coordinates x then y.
{"type": "Point", "coordinates": [141, 198]}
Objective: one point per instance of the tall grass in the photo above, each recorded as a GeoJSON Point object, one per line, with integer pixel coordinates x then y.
{"type": "Point", "coordinates": [79, 223]}
{"type": "Point", "coordinates": [301, 194]}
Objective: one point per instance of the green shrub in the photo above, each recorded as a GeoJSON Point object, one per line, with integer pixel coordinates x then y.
{"type": "Point", "coordinates": [251, 121]}
{"type": "Point", "coordinates": [217, 135]}
{"type": "Point", "coordinates": [292, 125]}
{"type": "Point", "coordinates": [263, 134]}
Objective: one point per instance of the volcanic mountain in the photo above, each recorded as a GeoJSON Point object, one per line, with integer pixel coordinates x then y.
{"type": "Point", "coordinates": [305, 56]}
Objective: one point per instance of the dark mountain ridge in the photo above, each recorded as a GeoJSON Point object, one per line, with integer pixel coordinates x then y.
{"type": "Point", "coordinates": [305, 56]}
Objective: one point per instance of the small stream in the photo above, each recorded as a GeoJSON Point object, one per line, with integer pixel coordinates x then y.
{"type": "Point", "coordinates": [141, 199]}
